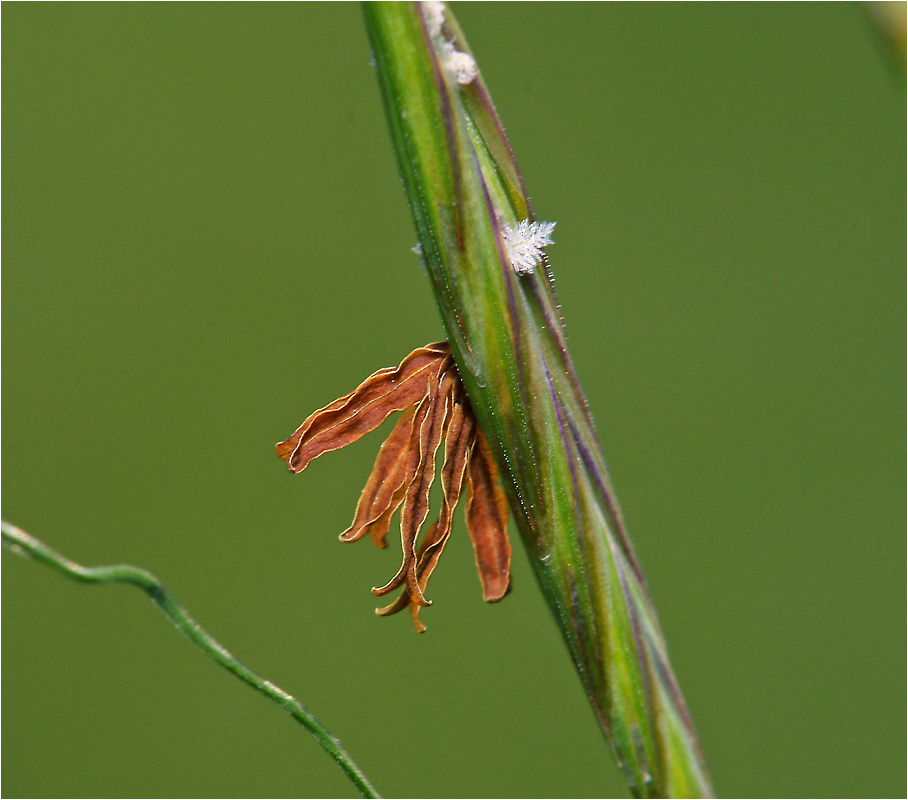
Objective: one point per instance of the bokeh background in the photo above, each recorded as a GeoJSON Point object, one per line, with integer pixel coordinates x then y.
{"type": "Point", "coordinates": [205, 239]}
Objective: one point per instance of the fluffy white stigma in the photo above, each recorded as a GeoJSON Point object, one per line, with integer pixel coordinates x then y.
{"type": "Point", "coordinates": [434, 12]}
{"type": "Point", "coordinates": [524, 244]}
{"type": "Point", "coordinates": [461, 66]}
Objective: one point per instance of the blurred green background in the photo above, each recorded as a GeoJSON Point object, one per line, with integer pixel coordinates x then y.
{"type": "Point", "coordinates": [205, 239]}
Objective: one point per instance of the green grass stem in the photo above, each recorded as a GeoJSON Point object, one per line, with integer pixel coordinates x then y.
{"type": "Point", "coordinates": [23, 544]}
{"type": "Point", "coordinates": [503, 320]}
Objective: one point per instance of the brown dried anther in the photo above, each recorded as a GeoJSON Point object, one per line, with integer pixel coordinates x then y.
{"type": "Point", "coordinates": [427, 389]}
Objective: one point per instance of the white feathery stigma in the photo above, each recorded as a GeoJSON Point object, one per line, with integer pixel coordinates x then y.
{"type": "Point", "coordinates": [461, 65]}
{"type": "Point", "coordinates": [524, 244]}
{"type": "Point", "coordinates": [435, 16]}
